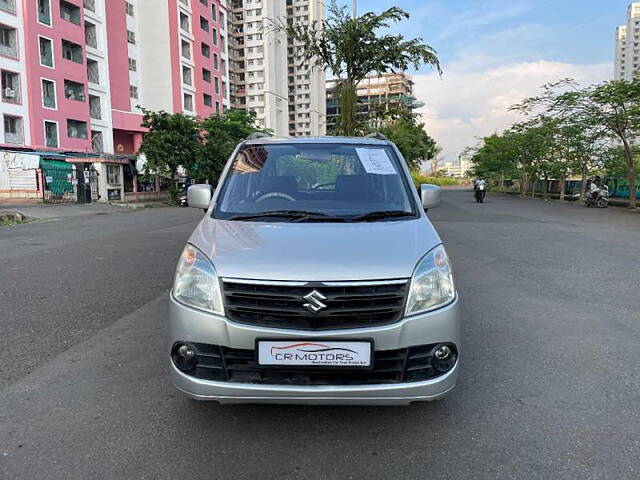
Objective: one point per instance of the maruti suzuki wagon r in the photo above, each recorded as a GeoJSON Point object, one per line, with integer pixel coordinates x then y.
{"type": "Point", "coordinates": [314, 277]}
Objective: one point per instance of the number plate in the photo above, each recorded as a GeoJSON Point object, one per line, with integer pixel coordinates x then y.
{"type": "Point", "coordinates": [315, 353]}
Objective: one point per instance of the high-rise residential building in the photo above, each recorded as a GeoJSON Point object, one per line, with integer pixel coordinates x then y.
{"type": "Point", "coordinates": [267, 72]}
{"type": "Point", "coordinates": [386, 92]}
{"type": "Point", "coordinates": [627, 45]}
{"type": "Point", "coordinates": [77, 73]}
{"type": "Point", "coordinates": [621, 52]}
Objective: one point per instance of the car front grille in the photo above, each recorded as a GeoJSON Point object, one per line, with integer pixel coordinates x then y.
{"type": "Point", "coordinates": [222, 364]}
{"type": "Point", "coordinates": [348, 304]}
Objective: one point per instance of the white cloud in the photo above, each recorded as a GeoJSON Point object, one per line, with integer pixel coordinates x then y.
{"type": "Point", "coordinates": [469, 102]}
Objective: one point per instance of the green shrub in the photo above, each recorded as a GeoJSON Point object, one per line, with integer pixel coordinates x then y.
{"type": "Point", "coordinates": [419, 179]}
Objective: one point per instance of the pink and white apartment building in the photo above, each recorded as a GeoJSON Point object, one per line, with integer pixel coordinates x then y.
{"type": "Point", "coordinates": [77, 73]}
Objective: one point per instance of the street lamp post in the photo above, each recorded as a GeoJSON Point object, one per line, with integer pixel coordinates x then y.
{"type": "Point", "coordinates": [355, 8]}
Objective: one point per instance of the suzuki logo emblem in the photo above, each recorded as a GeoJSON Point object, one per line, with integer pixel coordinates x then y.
{"type": "Point", "coordinates": [314, 300]}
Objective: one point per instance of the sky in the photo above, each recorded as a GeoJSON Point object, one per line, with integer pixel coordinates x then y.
{"type": "Point", "coordinates": [494, 53]}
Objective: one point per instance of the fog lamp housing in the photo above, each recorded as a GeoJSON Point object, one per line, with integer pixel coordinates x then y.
{"type": "Point", "coordinates": [444, 358]}
{"type": "Point", "coordinates": [184, 356]}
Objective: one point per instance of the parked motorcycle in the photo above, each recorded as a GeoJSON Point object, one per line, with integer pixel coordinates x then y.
{"type": "Point", "coordinates": [479, 193]}
{"type": "Point", "coordinates": [601, 199]}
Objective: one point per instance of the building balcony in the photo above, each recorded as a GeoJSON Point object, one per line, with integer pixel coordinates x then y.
{"type": "Point", "coordinates": [8, 6]}
{"type": "Point", "coordinates": [11, 87]}
{"type": "Point", "coordinates": [9, 45]}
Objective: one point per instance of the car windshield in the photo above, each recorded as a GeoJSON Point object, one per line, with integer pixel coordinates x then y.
{"type": "Point", "coordinates": [315, 182]}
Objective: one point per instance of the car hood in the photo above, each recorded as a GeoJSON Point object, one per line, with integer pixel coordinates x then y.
{"type": "Point", "coordinates": [315, 251]}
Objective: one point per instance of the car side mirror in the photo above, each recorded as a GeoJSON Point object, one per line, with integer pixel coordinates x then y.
{"type": "Point", "coordinates": [199, 196]}
{"type": "Point", "coordinates": [430, 195]}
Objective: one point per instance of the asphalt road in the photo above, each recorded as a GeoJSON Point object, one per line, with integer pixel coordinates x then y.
{"type": "Point", "coordinates": [549, 386]}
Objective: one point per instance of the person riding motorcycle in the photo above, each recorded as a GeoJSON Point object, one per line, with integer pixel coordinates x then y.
{"type": "Point", "coordinates": [479, 181]}
{"type": "Point", "coordinates": [594, 188]}
{"type": "Point", "coordinates": [479, 189]}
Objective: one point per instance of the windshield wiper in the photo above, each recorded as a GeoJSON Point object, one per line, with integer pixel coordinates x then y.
{"type": "Point", "coordinates": [373, 216]}
{"type": "Point", "coordinates": [294, 215]}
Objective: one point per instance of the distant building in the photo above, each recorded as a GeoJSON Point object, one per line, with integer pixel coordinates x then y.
{"type": "Point", "coordinates": [627, 45]}
{"type": "Point", "coordinates": [388, 91]}
{"type": "Point", "coordinates": [267, 72]}
{"type": "Point", "coordinates": [458, 170]}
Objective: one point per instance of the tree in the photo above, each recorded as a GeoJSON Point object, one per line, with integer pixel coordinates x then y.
{"type": "Point", "coordinates": [352, 48]}
{"type": "Point", "coordinates": [173, 140]}
{"type": "Point", "coordinates": [220, 135]}
{"type": "Point", "coordinates": [616, 105]}
{"type": "Point", "coordinates": [610, 110]}
{"type": "Point", "coordinates": [412, 140]}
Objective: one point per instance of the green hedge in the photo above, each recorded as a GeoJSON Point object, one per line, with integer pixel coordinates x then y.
{"type": "Point", "coordinates": [419, 179]}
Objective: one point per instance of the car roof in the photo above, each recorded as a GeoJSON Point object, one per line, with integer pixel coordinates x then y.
{"type": "Point", "coordinates": [315, 140]}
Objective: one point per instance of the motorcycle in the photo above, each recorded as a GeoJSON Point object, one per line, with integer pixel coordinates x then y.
{"type": "Point", "coordinates": [600, 200]}
{"type": "Point", "coordinates": [479, 193]}
{"type": "Point", "coordinates": [182, 198]}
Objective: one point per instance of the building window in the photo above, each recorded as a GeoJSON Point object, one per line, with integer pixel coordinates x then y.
{"type": "Point", "coordinates": [44, 12]}
{"type": "Point", "coordinates": [95, 107]}
{"type": "Point", "coordinates": [206, 75]}
{"type": "Point", "coordinates": [49, 94]}
{"type": "Point", "coordinates": [76, 129]}
{"type": "Point", "coordinates": [93, 71]}
{"type": "Point", "coordinates": [204, 24]}
{"type": "Point", "coordinates": [184, 22]}
{"type": "Point", "coordinates": [131, 37]}
{"type": "Point", "coordinates": [188, 102]}
{"type": "Point", "coordinates": [187, 77]}
{"type": "Point", "coordinates": [89, 5]}
{"type": "Point", "coordinates": [218, 108]}
{"type": "Point", "coordinates": [97, 143]}
{"type": "Point", "coordinates": [216, 83]}
{"type": "Point", "coordinates": [133, 65]}
{"type": "Point", "coordinates": [72, 51]}
{"type": "Point", "coordinates": [13, 132]}
{"type": "Point", "coordinates": [70, 12]}
{"type": "Point", "coordinates": [113, 174]}
{"type": "Point", "coordinates": [133, 92]}
{"type": "Point", "coordinates": [186, 49]}
{"type": "Point", "coordinates": [215, 36]}
{"type": "Point", "coordinates": [11, 87]}
{"type": "Point", "coordinates": [51, 134]}
{"type": "Point", "coordinates": [73, 91]}
{"type": "Point", "coordinates": [215, 61]}
{"type": "Point", "coordinates": [213, 12]}
{"type": "Point", "coordinates": [206, 50]}
{"type": "Point", "coordinates": [129, 9]}
{"type": "Point", "coordinates": [90, 35]}
{"type": "Point", "coordinates": [8, 41]}
{"type": "Point", "coordinates": [46, 52]}
{"type": "Point", "coordinates": [208, 100]}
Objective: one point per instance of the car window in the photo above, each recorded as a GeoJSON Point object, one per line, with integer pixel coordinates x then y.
{"type": "Point", "coordinates": [341, 180]}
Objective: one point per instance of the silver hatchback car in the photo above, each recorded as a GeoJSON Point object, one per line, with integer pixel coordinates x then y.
{"type": "Point", "coordinates": [315, 277]}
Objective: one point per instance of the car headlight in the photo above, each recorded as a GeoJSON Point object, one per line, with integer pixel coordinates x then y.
{"type": "Point", "coordinates": [196, 283]}
{"type": "Point", "coordinates": [432, 283]}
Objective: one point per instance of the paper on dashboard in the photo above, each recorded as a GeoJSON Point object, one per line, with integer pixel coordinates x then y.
{"type": "Point", "coordinates": [376, 161]}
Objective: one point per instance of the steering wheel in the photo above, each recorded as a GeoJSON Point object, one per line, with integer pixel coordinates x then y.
{"type": "Point", "coordinates": [266, 196]}
{"type": "Point", "coordinates": [321, 185]}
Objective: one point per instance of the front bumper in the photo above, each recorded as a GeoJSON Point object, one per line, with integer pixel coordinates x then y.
{"type": "Point", "coordinates": [190, 325]}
